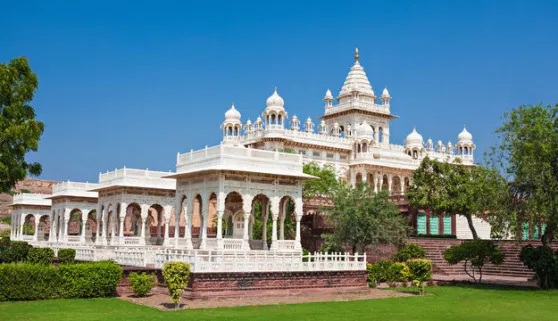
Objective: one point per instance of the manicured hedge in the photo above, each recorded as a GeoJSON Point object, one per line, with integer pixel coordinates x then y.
{"type": "Point", "coordinates": [410, 251]}
{"type": "Point", "coordinates": [23, 281]}
{"type": "Point", "coordinates": [391, 272]}
{"type": "Point", "coordinates": [16, 253]}
{"type": "Point", "coordinates": [40, 255]}
{"type": "Point", "coordinates": [89, 280]}
{"type": "Point", "coordinates": [66, 256]}
{"type": "Point", "coordinates": [437, 236]}
{"type": "Point", "coordinates": [26, 281]}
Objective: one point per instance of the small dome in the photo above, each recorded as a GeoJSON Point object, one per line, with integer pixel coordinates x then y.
{"type": "Point", "coordinates": [385, 93]}
{"type": "Point", "coordinates": [328, 95]}
{"type": "Point", "coordinates": [275, 100]}
{"type": "Point", "coordinates": [464, 137]}
{"type": "Point", "coordinates": [259, 119]}
{"type": "Point", "coordinates": [249, 122]}
{"type": "Point", "coordinates": [450, 145]}
{"type": "Point", "coordinates": [364, 130]}
{"type": "Point", "coordinates": [413, 139]}
{"type": "Point", "coordinates": [429, 141]}
{"type": "Point", "coordinates": [232, 115]}
{"type": "Point", "coordinates": [309, 120]}
{"type": "Point", "coordinates": [294, 118]}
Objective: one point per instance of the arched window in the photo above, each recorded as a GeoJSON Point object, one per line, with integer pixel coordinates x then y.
{"type": "Point", "coordinates": [415, 154]}
{"type": "Point", "coordinates": [364, 147]}
{"type": "Point", "coordinates": [229, 131]}
{"type": "Point", "coordinates": [273, 120]}
{"type": "Point", "coordinates": [380, 134]}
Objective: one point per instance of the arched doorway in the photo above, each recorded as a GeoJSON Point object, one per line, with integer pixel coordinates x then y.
{"type": "Point", "coordinates": [91, 227]}
{"type": "Point", "coordinates": [44, 228]}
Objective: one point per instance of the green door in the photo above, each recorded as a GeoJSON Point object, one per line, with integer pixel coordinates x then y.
{"type": "Point", "coordinates": [434, 221]}
{"type": "Point", "coordinates": [536, 232]}
{"type": "Point", "coordinates": [421, 223]}
{"type": "Point", "coordinates": [447, 225]}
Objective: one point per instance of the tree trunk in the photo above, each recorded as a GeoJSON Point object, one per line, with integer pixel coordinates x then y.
{"type": "Point", "coordinates": [548, 235]}
{"type": "Point", "coordinates": [354, 249]}
{"type": "Point", "coordinates": [471, 226]}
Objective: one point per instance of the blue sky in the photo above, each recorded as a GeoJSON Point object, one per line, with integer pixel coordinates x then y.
{"type": "Point", "coordinates": [130, 83]}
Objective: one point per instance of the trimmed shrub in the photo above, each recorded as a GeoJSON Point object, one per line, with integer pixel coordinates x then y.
{"type": "Point", "coordinates": [176, 275]}
{"type": "Point", "coordinates": [141, 284]}
{"type": "Point", "coordinates": [22, 281]}
{"type": "Point", "coordinates": [437, 236]}
{"type": "Point", "coordinates": [544, 262]}
{"type": "Point", "coordinates": [66, 256]}
{"type": "Point", "coordinates": [379, 271]}
{"type": "Point", "coordinates": [4, 243]}
{"type": "Point", "coordinates": [16, 253]}
{"type": "Point", "coordinates": [89, 280]}
{"type": "Point", "coordinates": [410, 251]}
{"type": "Point", "coordinates": [398, 272]}
{"type": "Point", "coordinates": [40, 255]}
{"type": "Point", "coordinates": [419, 269]}
{"type": "Point", "coordinates": [370, 277]}
{"type": "Point", "coordinates": [474, 254]}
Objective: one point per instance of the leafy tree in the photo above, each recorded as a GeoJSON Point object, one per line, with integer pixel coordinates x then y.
{"type": "Point", "coordinates": [326, 184]}
{"type": "Point", "coordinates": [454, 189]}
{"type": "Point", "coordinates": [475, 254]}
{"type": "Point", "coordinates": [361, 218]}
{"type": "Point", "coordinates": [20, 131]}
{"type": "Point", "coordinates": [527, 152]}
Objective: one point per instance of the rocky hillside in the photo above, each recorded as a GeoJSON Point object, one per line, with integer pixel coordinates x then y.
{"type": "Point", "coordinates": [28, 185]}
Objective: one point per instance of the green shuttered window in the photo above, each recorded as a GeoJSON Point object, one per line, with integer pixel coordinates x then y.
{"type": "Point", "coordinates": [447, 225]}
{"type": "Point", "coordinates": [421, 223]}
{"type": "Point", "coordinates": [434, 224]}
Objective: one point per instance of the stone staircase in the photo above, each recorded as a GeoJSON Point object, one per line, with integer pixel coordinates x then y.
{"type": "Point", "coordinates": [512, 266]}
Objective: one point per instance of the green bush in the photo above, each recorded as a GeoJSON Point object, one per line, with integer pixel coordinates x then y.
{"type": "Point", "coordinates": [89, 280]}
{"type": "Point", "coordinates": [4, 243]}
{"type": "Point", "coordinates": [40, 255]}
{"type": "Point", "coordinates": [141, 284]}
{"type": "Point", "coordinates": [419, 269]}
{"type": "Point", "coordinates": [23, 281]}
{"type": "Point", "coordinates": [379, 271]}
{"type": "Point", "coordinates": [16, 253]}
{"type": "Point", "coordinates": [398, 272]}
{"type": "Point", "coordinates": [411, 251]}
{"type": "Point", "coordinates": [370, 277]}
{"type": "Point", "coordinates": [474, 254]}
{"type": "Point", "coordinates": [544, 262]}
{"type": "Point", "coordinates": [66, 256]}
{"type": "Point", "coordinates": [176, 275]}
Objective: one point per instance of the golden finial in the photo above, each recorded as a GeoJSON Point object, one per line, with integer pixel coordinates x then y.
{"type": "Point", "coordinates": [356, 55]}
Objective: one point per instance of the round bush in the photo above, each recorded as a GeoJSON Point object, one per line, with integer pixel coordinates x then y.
{"type": "Point", "coordinates": [398, 272]}
{"type": "Point", "coordinates": [419, 269]}
{"type": "Point", "coordinates": [16, 253]}
{"type": "Point", "coordinates": [411, 251]}
{"type": "Point", "coordinates": [141, 284]}
{"type": "Point", "coordinates": [176, 276]}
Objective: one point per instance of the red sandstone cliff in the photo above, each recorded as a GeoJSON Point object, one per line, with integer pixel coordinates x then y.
{"type": "Point", "coordinates": [28, 185]}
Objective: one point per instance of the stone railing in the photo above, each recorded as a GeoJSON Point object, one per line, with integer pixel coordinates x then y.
{"type": "Point", "coordinates": [232, 244]}
{"type": "Point", "coordinates": [64, 186]}
{"type": "Point", "coordinates": [286, 245]}
{"type": "Point", "coordinates": [361, 105]}
{"type": "Point", "coordinates": [129, 240]}
{"type": "Point", "coordinates": [74, 238]}
{"type": "Point", "coordinates": [302, 137]}
{"type": "Point", "coordinates": [139, 177]}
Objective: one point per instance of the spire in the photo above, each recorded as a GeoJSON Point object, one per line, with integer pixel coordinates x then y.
{"type": "Point", "coordinates": [356, 81]}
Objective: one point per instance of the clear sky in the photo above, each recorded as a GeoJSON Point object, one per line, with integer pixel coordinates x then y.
{"type": "Point", "coordinates": [133, 83]}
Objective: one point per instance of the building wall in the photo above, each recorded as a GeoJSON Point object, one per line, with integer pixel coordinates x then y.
{"type": "Point", "coordinates": [464, 233]}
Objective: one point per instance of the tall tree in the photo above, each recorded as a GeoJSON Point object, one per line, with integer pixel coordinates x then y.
{"type": "Point", "coordinates": [454, 189]}
{"type": "Point", "coordinates": [361, 218]}
{"type": "Point", "coordinates": [325, 186]}
{"type": "Point", "coordinates": [19, 131]}
{"type": "Point", "coordinates": [527, 151]}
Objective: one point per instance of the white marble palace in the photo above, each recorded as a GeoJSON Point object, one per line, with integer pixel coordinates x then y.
{"type": "Point", "coordinates": [221, 198]}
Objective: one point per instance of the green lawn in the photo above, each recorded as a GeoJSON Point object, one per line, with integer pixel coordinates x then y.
{"type": "Point", "coordinates": [445, 303]}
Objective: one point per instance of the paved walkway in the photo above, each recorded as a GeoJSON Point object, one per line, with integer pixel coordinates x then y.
{"type": "Point", "coordinates": [488, 279]}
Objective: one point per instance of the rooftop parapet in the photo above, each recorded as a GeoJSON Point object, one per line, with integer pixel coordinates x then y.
{"type": "Point", "coordinates": [31, 199]}
{"type": "Point", "coordinates": [143, 178]}
{"type": "Point", "coordinates": [76, 189]}
{"type": "Point", "coordinates": [234, 158]}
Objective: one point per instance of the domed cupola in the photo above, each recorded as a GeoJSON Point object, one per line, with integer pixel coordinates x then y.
{"type": "Point", "coordinates": [464, 137]}
{"type": "Point", "coordinates": [364, 130]}
{"type": "Point", "coordinates": [356, 84]}
{"type": "Point", "coordinates": [232, 126]}
{"type": "Point", "coordinates": [232, 115]}
{"type": "Point", "coordinates": [274, 113]}
{"type": "Point", "coordinates": [465, 145]}
{"type": "Point", "coordinates": [414, 139]}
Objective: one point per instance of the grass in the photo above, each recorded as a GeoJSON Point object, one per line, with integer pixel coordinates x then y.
{"type": "Point", "coordinates": [444, 303]}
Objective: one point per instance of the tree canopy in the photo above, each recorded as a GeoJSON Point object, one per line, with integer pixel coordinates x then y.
{"type": "Point", "coordinates": [361, 218]}
{"type": "Point", "coordinates": [454, 189]}
{"type": "Point", "coordinates": [19, 131]}
{"type": "Point", "coordinates": [527, 152]}
{"type": "Point", "coordinates": [325, 186]}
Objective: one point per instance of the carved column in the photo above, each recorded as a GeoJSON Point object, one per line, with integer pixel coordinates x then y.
{"type": "Point", "coordinates": [203, 231]}
{"type": "Point", "coordinates": [144, 212]}
{"type": "Point", "coordinates": [247, 208]}
{"type": "Point", "coordinates": [264, 227]}
{"type": "Point", "coordinates": [298, 214]}
{"type": "Point", "coordinates": [390, 180]}
{"type": "Point", "coordinates": [36, 234]}
{"type": "Point", "coordinates": [121, 218]}
{"type": "Point", "coordinates": [83, 225]}
{"type": "Point", "coordinates": [274, 216]}
{"type": "Point", "coordinates": [52, 233]}
{"type": "Point", "coordinates": [167, 216]}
